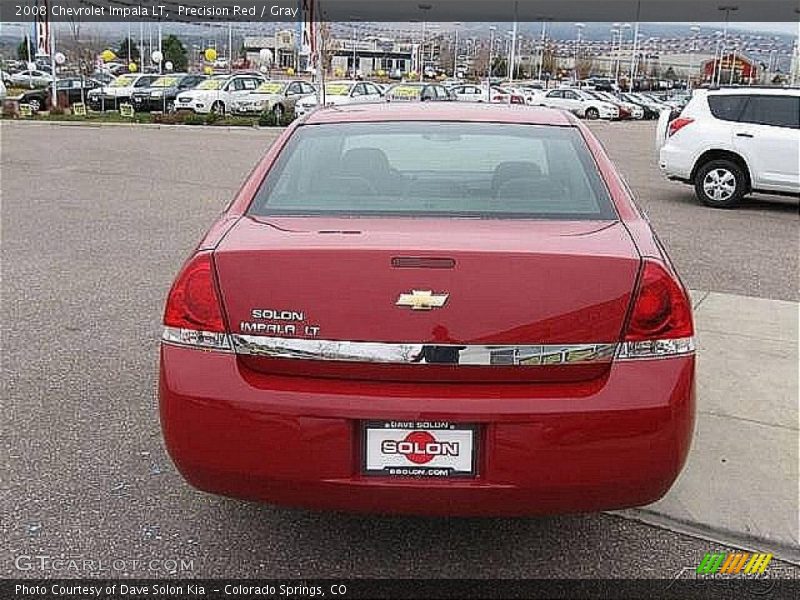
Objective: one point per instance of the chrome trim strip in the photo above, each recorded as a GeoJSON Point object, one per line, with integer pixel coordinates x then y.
{"type": "Point", "coordinates": [656, 349]}
{"type": "Point", "coordinates": [190, 338]}
{"type": "Point", "coordinates": [420, 354]}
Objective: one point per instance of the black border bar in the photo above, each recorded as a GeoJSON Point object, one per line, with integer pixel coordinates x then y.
{"type": "Point", "coordinates": [275, 11]}
{"type": "Point", "coordinates": [429, 589]}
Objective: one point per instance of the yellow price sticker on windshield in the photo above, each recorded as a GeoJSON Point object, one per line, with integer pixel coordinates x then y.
{"type": "Point", "coordinates": [122, 81]}
{"type": "Point", "coordinates": [269, 88]}
{"type": "Point", "coordinates": [165, 82]}
{"type": "Point", "coordinates": [405, 91]}
{"type": "Point", "coordinates": [211, 84]}
{"type": "Point", "coordinates": [337, 89]}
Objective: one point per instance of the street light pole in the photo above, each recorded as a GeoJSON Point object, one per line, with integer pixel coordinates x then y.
{"type": "Point", "coordinates": [695, 30]}
{"type": "Point", "coordinates": [728, 10]}
{"type": "Point", "coordinates": [489, 68]}
{"type": "Point", "coordinates": [579, 27]}
{"type": "Point", "coordinates": [513, 54]}
{"type": "Point", "coordinates": [455, 54]}
{"type": "Point", "coordinates": [541, 53]}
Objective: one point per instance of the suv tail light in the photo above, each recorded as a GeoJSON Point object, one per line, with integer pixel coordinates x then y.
{"type": "Point", "coordinates": [193, 315]}
{"type": "Point", "coordinates": [517, 100]}
{"type": "Point", "coordinates": [660, 323]}
{"type": "Point", "coordinates": [677, 124]}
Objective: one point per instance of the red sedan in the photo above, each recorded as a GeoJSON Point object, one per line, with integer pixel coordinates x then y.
{"type": "Point", "coordinates": [431, 308]}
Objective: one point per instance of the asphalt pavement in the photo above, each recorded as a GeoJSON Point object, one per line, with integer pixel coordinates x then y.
{"type": "Point", "coordinates": [95, 223]}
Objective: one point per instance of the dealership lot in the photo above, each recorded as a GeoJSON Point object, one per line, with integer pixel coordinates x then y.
{"type": "Point", "coordinates": [95, 222]}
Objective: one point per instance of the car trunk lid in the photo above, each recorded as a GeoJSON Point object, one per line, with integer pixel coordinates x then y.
{"type": "Point", "coordinates": [357, 290]}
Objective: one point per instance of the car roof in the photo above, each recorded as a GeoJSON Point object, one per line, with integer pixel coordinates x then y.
{"type": "Point", "coordinates": [444, 111]}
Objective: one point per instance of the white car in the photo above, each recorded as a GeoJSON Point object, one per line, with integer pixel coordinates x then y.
{"type": "Point", "coordinates": [218, 94]}
{"type": "Point", "coordinates": [468, 92]}
{"type": "Point", "coordinates": [579, 103]}
{"type": "Point", "coordinates": [32, 78]}
{"type": "Point", "coordinates": [730, 142]}
{"type": "Point", "coordinates": [342, 92]}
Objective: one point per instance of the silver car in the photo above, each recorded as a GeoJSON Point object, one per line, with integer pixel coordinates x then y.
{"type": "Point", "coordinates": [278, 97]}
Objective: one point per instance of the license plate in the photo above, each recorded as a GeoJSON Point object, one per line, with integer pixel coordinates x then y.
{"type": "Point", "coordinates": [418, 449]}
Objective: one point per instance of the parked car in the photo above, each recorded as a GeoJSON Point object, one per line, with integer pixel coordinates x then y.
{"type": "Point", "coordinates": [119, 91]}
{"type": "Point", "coordinates": [418, 92]}
{"type": "Point", "coordinates": [627, 110]}
{"type": "Point", "coordinates": [219, 93]}
{"type": "Point", "coordinates": [651, 110]}
{"type": "Point", "coordinates": [340, 93]}
{"type": "Point", "coordinates": [578, 103]}
{"type": "Point", "coordinates": [37, 98]}
{"type": "Point", "coordinates": [505, 95]}
{"type": "Point", "coordinates": [33, 78]}
{"type": "Point", "coordinates": [75, 89]}
{"type": "Point", "coordinates": [161, 94]}
{"type": "Point", "coordinates": [731, 142]}
{"type": "Point", "coordinates": [469, 92]}
{"type": "Point", "coordinates": [374, 324]}
{"type": "Point", "coordinates": [278, 97]}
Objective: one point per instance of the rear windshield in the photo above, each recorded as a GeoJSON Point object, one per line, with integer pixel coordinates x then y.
{"type": "Point", "coordinates": [425, 169]}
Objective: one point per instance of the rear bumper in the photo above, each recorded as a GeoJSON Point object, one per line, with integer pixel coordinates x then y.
{"type": "Point", "coordinates": [674, 162]}
{"type": "Point", "coordinates": [544, 448]}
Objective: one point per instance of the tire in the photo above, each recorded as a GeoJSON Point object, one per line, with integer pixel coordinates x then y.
{"type": "Point", "coordinates": [218, 108]}
{"type": "Point", "coordinates": [278, 111]}
{"type": "Point", "coordinates": [35, 104]}
{"type": "Point", "coordinates": [720, 183]}
{"type": "Point", "coordinates": [592, 113]}
{"type": "Point", "coordinates": [170, 108]}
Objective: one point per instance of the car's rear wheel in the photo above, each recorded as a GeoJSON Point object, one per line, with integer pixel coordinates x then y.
{"type": "Point", "coordinates": [35, 104]}
{"type": "Point", "coordinates": [218, 108]}
{"type": "Point", "coordinates": [592, 114]}
{"type": "Point", "coordinates": [277, 110]}
{"type": "Point", "coordinates": [720, 183]}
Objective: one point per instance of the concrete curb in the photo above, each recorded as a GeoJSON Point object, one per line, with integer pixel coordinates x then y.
{"type": "Point", "coordinates": [740, 483]}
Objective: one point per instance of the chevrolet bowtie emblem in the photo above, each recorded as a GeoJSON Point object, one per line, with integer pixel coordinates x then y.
{"type": "Point", "coordinates": [422, 300]}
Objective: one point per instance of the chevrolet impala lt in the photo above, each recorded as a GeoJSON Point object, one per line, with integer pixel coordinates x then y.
{"type": "Point", "coordinates": [433, 309]}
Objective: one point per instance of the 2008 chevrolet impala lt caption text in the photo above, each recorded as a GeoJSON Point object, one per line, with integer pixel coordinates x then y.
{"type": "Point", "coordinates": [398, 314]}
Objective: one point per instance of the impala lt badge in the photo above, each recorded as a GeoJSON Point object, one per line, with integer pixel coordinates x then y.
{"type": "Point", "coordinates": [422, 300]}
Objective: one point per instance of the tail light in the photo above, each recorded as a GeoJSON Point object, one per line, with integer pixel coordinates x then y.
{"type": "Point", "coordinates": [193, 315]}
{"type": "Point", "coordinates": [660, 323]}
{"type": "Point", "coordinates": [517, 100]}
{"type": "Point", "coordinates": [676, 125]}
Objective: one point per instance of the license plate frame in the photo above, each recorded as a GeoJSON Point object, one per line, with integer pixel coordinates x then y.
{"type": "Point", "coordinates": [392, 461]}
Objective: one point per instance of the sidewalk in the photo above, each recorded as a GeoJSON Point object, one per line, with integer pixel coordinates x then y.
{"type": "Point", "coordinates": [740, 484]}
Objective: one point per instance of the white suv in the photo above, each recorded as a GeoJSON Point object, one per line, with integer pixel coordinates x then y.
{"type": "Point", "coordinates": [733, 141]}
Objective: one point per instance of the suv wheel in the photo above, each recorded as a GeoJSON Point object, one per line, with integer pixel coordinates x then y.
{"type": "Point", "coordinates": [277, 110]}
{"type": "Point", "coordinates": [592, 114]}
{"type": "Point", "coordinates": [720, 183]}
{"type": "Point", "coordinates": [218, 108]}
